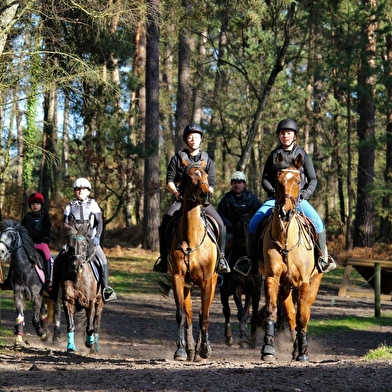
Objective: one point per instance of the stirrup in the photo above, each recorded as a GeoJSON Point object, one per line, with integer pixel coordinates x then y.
{"type": "Point", "coordinates": [324, 266]}
{"type": "Point", "coordinates": [108, 294]}
{"type": "Point", "coordinates": [243, 265]}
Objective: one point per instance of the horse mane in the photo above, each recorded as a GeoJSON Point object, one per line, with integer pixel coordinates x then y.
{"type": "Point", "coordinates": [27, 242]}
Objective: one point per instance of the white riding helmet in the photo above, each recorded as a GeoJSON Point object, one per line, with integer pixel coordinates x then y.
{"type": "Point", "coordinates": [82, 183]}
{"type": "Point", "coordinates": [239, 176]}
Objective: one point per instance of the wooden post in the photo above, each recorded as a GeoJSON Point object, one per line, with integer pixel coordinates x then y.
{"type": "Point", "coordinates": [377, 290]}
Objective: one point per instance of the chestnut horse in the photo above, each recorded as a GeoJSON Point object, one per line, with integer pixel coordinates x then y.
{"type": "Point", "coordinates": [79, 284]}
{"type": "Point", "coordinates": [192, 262]}
{"type": "Point", "coordinates": [288, 263]}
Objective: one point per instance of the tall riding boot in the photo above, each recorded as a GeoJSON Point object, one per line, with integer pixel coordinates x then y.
{"type": "Point", "coordinates": [48, 274]}
{"type": "Point", "coordinates": [223, 265]}
{"type": "Point", "coordinates": [325, 262]}
{"type": "Point", "coordinates": [161, 263]}
{"type": "Point", "coordinates": [108, 294]}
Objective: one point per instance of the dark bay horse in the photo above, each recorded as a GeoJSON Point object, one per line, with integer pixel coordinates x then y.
{"type": "Point", "coordinates": [26, 264]}
{"type": "Point", "coordinates": [244, 286]}
{"type": "Point", "coordinates": [79, 285]}
{"type": "Point", "coordinates": [192, 262]}
{"type": "Point", "coordinates": [288, 263]}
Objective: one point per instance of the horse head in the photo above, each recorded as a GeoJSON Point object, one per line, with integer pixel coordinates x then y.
{"type": "Point", "coordinates": [288, 184]}
{"type": "Point", "coordinates": [195, 184]}
{"type": "Point", "coordinates": [80, 248]}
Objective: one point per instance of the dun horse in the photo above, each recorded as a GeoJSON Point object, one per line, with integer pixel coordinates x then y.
{"type": "Point", "coordinates": [288, 263]}
{"type": "Point", "coordinates": [27, 267]}
{"type": "Point", "coordinates": [192, 262]}
{"type": "Point", "coordinates": [79, 285]}
{"type": "Point", "coordinates": [245, 283]}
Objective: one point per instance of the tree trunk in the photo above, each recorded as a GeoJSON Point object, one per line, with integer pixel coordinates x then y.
{"type": "Point", "coordinates": [363, 224]}
{"type": "Point", "coordinates": [151, 169]}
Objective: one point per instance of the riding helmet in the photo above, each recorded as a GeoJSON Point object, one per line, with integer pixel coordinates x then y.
{"type": "Point", "coordinates": [82, 183]}
{"type": "Point", "coordinates": [239, 176]}
{"type": "Point", "coordinates": [36, 197]}
{"type": "Point", "coordinates": [288, 123]}
{"type": "Point", "coordinates": [192, 128]}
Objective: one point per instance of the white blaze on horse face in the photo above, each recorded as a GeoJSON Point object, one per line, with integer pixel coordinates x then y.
{"type": "Point", "coordinates": [4, 253]}
{"type": "Point", "coordinates": [198, 172]}
{"type": "Point", "coordinates": [289, 175]}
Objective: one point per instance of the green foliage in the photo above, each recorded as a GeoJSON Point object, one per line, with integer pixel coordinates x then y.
{"type": "Point", "coordinates": [383, 353]}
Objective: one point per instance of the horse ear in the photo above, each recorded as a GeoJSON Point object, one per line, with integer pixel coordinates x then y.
{"type": "Point", "coordinates": [184, 162]}
{"type": "Point", "coordinates": [298, 161]}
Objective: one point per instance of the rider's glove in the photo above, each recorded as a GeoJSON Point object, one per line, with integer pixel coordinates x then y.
{"type": "Point", "coordinates": [96, 241]}
{"type": "Point", "coordinates": [304, 194]}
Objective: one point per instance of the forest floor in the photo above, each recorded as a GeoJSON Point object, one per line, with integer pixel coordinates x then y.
{"type": "Point", "coordinates": [137, 340]}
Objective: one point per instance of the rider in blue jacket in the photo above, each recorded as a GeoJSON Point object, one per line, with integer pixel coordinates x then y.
{"type": "Point", "coordinates": [286, 132]}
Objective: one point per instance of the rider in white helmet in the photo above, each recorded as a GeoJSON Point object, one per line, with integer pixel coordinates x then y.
{"type": "Point", "coordinates": [236, 207]}
{"type": "Point", "coordinates": [84, 209]}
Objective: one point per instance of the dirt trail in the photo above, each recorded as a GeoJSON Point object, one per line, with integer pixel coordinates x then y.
{"type": "Point", "coordinates": [138, 342]}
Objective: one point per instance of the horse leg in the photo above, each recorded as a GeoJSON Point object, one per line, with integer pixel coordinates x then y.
{"type": "Point", "coordinates": [69, 310]}
{"type": "Point", "coordinates": [188, 313]}
{"type": "Point", "coordinates": [306, 296]}
{"type": "Point", "coordinates": [38, 307]}
{"type": "Point", "coordinates": [203, 347]}
{"type": "Point", "coordinates": [97, 324]}
{"type": "Point", "coordinates": [178, 292]}
{"type": "Point", "coordinates": [256, 294]}
{"type": "Point", "coordinates": [56, 321]}
{"type": "Point", "coordinates": [18, 328]}
{"type": "Point", "coordinates": [226, 312]}
{"type": "Point", "coordinates": [242, 317]}
{"type": "Point", "coordinates": [90, 325]}
{"type": "Point", "coordinates": [271, 290]}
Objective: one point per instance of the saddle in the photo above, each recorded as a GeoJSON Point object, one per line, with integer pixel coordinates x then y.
{"type": "Point", "coordinates": [307, 224]}
{"type": "Point", "coordinates": [212, 227]}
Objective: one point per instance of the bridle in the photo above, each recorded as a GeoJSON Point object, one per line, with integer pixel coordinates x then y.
{"type": "Point", "coordinates": [8, 246]}
{"type": "Point", "coordinates": [82, 257]}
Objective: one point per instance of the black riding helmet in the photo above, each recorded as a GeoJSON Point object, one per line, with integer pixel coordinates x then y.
{"type": "Point", "coordinates": [192, 128]}
{"type": "Point", "coordinates": [288, 123]}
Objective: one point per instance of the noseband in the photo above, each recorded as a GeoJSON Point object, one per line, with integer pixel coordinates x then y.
{"type": "Point", "coordinates": [8, 246]}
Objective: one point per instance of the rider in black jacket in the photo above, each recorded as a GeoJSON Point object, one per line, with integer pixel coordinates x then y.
{"type": "Point", "coordinates": [193, 136]}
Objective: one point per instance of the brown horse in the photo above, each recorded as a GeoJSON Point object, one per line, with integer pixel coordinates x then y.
{"type": "Point", "coordinates": [192, 262]}
{"type": "Point", "coordinates": [79, 285]}
{"type": "Point", "coordinates": [288, 263]}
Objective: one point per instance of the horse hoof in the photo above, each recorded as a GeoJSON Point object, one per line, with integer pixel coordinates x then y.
{"type": "Point", "coordinates": [268, 358]}
{"type": "Point", "coordinates": [71, 348]}
{"type": "Point", "coordinates": [243, 344]}
{"type": "Point", "coordinates": [205, 352]}
{"type": "Point", "coordinates": [180, 355]}
{"type": "Point", "coordinates": [303, 358]}
{"type": "Point", "coordinates": [190, 355]}
{"type": "Point", "coordinates": [89, 341]}
{"type": "Point", "coordinates": [18, 340]}
{"type": "Point", "coordinates": [229, 341]}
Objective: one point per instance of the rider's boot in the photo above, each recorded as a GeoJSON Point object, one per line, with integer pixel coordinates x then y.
{"type": "Point", "coordinates": [108, 294]}
{"type": "Point", "coordinates": [7, 285]}
{"type": "Point", "coordinates": [161, 263]}
{"type": "Point", "coordinates": [48, 275]}
{"type": "Point", "coordinates": [222, 266]}
{"type": "Point", "coordinates": [325, 263]}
